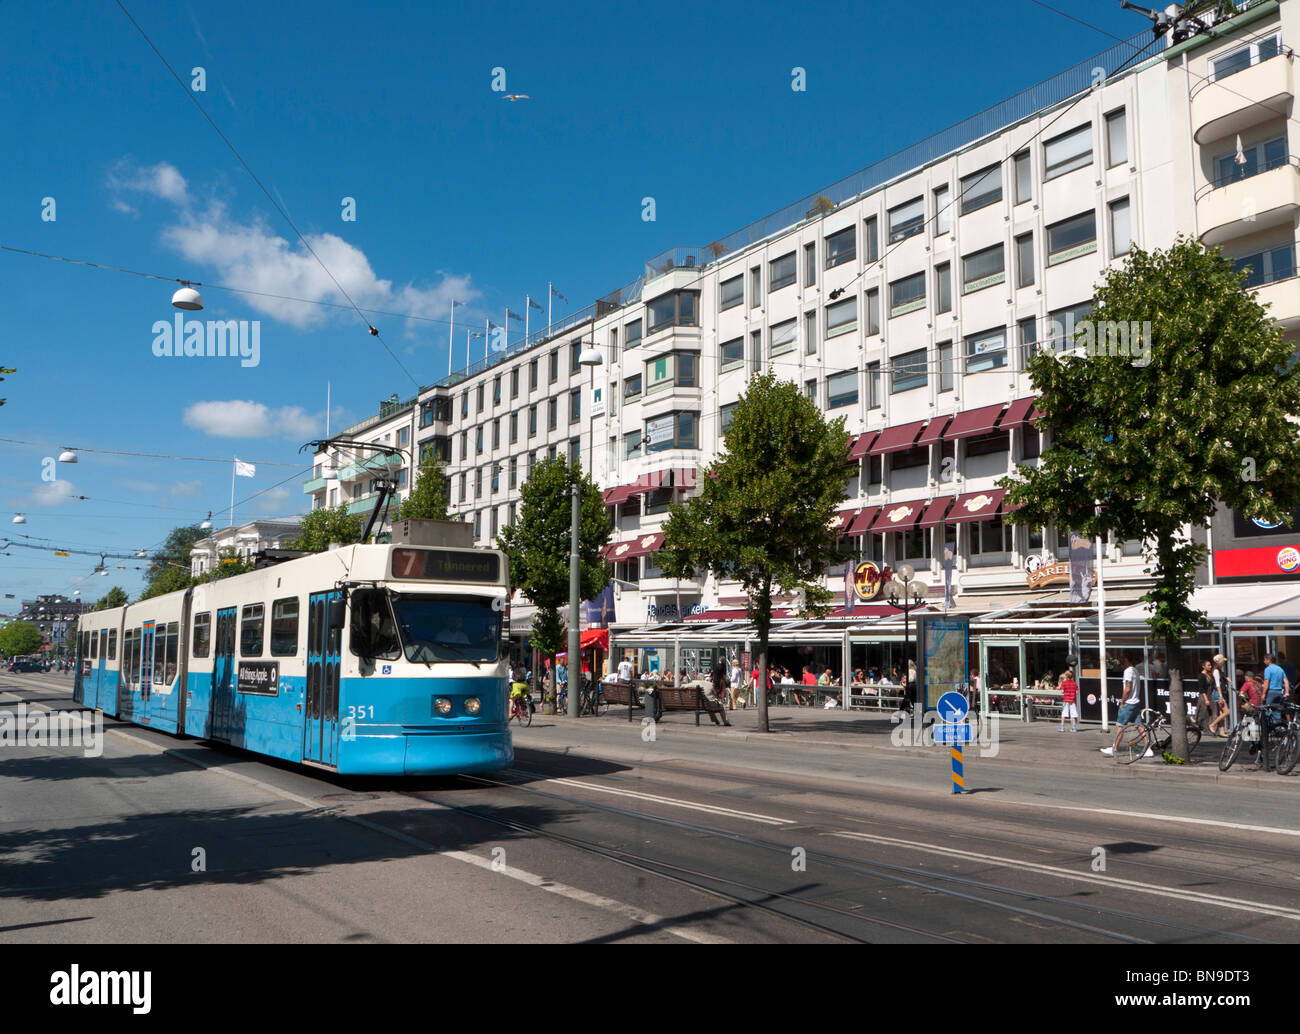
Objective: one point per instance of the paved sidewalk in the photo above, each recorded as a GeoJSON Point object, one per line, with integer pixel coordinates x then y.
{"type": "Point", "coordinates": [1010, 742]}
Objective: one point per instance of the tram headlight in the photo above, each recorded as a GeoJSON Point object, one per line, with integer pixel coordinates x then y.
{"type": "Point", "coordinates": [442, 705]}
{"type": "Point", "coordinates": [472, 705]}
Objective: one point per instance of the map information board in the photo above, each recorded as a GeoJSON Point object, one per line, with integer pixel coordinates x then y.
{"type": "Point", "coordinates": [943, 643]}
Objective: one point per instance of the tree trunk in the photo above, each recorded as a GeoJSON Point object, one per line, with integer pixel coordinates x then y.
{"type": "Point", "coordinates": [1177, 705]}
{"type": "Point", "coordinates": [763, 621]}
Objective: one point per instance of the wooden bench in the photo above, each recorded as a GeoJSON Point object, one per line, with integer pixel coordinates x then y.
{"type": "Point", "coordinates": [623, 694]}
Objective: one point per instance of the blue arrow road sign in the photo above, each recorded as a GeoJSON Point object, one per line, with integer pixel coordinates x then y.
{"type": "Point", "coordinates": [953, 707]}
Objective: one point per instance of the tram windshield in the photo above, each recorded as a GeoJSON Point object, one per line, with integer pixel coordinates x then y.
{"type": "Point", "coordinates": [448, 628]}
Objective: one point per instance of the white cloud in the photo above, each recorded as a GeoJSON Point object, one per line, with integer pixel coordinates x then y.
{"type": "Point", "coordinates": [50, 493]}
{"type": "Point", "coordinates": [162, 181]}
{"type": "Point", "coordinates": [186, 489]}
{"type": "Point", "coordinates": [248, 419]}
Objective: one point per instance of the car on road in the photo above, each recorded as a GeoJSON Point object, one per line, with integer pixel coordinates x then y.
{"type": "Point", "coordinates": [19, 664]}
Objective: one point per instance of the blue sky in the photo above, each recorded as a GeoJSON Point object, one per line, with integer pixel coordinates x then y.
{"type": "Point", "coordinates": [459, 194]}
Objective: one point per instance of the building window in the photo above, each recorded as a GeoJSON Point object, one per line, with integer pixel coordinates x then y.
{"type": "Point", "coordinates": [733, 353]}
{"type": "Point", "coordinates": [478, 399]}
{"type": "Point", "coordinates": [783, 336]}
{"type": "Point", "coordinates": [510, 519]}
{"type": "Point", "coordinates": [909, 371]}
{"type": "Point", "coordinates": [1121, 232]}
{"type": "Point", "coordinates": [496, 433]}
{"type": "Point", "coordinates": [986, 351]}
{"type": "Point", "coordinates": [1024, 178]}
{"type": "Point", "coordinates": [906, 220]}
{"type": "Point", "coordinates": [461, 495]}
{"type": "Point", "coordinates": [732, 293]}
{"type": "Point", "coordinates": [1239, 60]}
{"type": "Point", "coordinates": [632, 334]}
{"type": "Point", "coordinates": [613, 349]}
{"type": "Point", "coordinates": [1067, 152]}
{"type": "Point", "coordinates": [513, 474]}
{"type": "Point", "coordinates": [1072, 238]}
{"type": "Point", "coordinates": [478, 523]}
{"type": "Point", "coordinates": [493, 512]}
{"type": "Point", "coordinates": [666, 371]}
{"type": "Point", "coordinates": [755, 350]}
{"type": "Point", "coordinates": [532, 420]}
{"type": "Point", "coordinates": [1062, 324]}
{"type": "Point", "coordinates": [632, 445]}
{"type": "Point", "coordinates": [942, 211]}
{"type": "Point", "coordinates": [841, 247]}
{"type": "Point", "coordinates": [464, 445]}
{"type": "Point", "coordinates": [907, 295]}
{"type": "Point", "coordinates": [912, 545]}
{"type": "Point", "coordinates": [575, 405]}
{"type": "Point", "coordinates": [728, 413]}
{"type": "Point", "coordinates": [1261, 157]}
{"type": "Point", "coordinates": [1116, 139]}
{"type": "Point", "coordinates": [1028, 341]}
{"type": "Point", "coordinates": [555, 365]}
{"type": "Point", "coordinates": [496, 477]}
{"type": "Point", "coordinates": [573, 452]}
{"type": "Point", "coordinates": [917, 456]}
{"type": "Point", "coordinates": [842, 389]}
{"type": "Point", "coordinates": [1266, 267]}
{"type": "Point", "coordinates": [873, 311]}
{"type": "Point", "coordinates": [981, 189]}
{"type": "Point", "coordinates": [496, 390]}
{"type": "Point", "coordinates": [675, 309]}
{"type": "Point", "coordinates": [810, 390]}
{"type": "Point", "coordinates": [810, 264]}
{"type": "Point", "coordinates": [1025, 260]}
{"type": "Point", "coordinates": [514, 428]}
{"type": "Point", "coordinates": [945, 367]}
{"type": "Point", "coordinates": [982, 269]}
{"type": "Point", "coordinates": [874, 394]}
{"type": "Point", "coordinates": [532, 375]}
{"type": "Point", "coordinates": [810, 333]}
{"type": "Point", "coordinates": [514, 383]}
{"type": "Point", "coordinates": [841, 317]}
{"type": "Point", "coordinates": [478, 482]}
{"type": "Point", "coordinates": [575, 353]}
{"type": "Point", "coordinates": [478, 439]}
{"type": "Point", "coordinates": [943, 288]}
{"type": "Point", "coordinates": [755, 287]}
{"type": "Point", "coordinates": [990, 542]}
{"type": "Point", "coordinates": [782, 272]}
{"type": "Point", "coordinates": [552, 414]}
{"type": "Point", "coordinates": [869, 240]}
{"type": "Point", "coordinates": [632, 388]}
{"type": "Point", "coordinates": [671, 431]}
{"type": "Point", "coordinates": [464, 403]}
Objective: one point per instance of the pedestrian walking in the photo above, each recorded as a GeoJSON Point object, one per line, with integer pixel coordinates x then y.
{"type": "Point", "coordinates": [1069, 700]}
{"type": "Point", "coordinates": [1130, 707]}
{"type": "Point", "coordinates": [1276, 683]}
{"type": "Point", "coordinates": [1219, 696]}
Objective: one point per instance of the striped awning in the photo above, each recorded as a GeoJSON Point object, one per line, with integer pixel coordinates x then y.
{"type": "Point", "coordinates": [934, 513]}
{"type": "Point", "coordinates": [897, 516]}
{"type": "Point", "coordinates": [974, 422]}
{"type": "Point", "coordinates": [977, 506]}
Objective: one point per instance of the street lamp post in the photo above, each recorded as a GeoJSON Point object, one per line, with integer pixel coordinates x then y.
{"type": "Point", "coordinates": [588, 356]}
{"type": "Point", "coordinates": [905, 595]}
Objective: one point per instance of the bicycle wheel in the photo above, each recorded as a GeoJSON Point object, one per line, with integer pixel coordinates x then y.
{"type": "Point", "coordinates": [1193, 738]}
{"type": "Point", "coordinates": [1134, 742]}
{"type": "Point", "coordinates": [1288, 751]}
{"type": "Point", "coordinates": [1230, 749]}
{"type": "Point", "coordinates": [1161, 736]}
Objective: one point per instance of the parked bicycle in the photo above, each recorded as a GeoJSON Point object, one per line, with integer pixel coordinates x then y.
{"type": "Point", "coordinates": [1162, 731]}
{"type": "Point", "coordinates": [1288, 753]}
{"type": "Point", "coordinates": [1267, 731]}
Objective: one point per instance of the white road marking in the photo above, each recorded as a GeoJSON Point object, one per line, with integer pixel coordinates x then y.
{"type": "Point", "coordinates": [618, 908]}
{"type": "Point", "coordinates": [1163, 818]}
{"type": "Point", "coordinates": [1237, 904]}
{"type": "Point", "coordinates": [671, 801]}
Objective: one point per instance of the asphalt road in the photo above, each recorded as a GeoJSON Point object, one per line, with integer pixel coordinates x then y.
{"type": "Point", "coordinates": [599, 835]}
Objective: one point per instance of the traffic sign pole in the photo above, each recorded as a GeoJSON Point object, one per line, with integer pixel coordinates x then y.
{"type": "Point", "coordinates": [958, 777]}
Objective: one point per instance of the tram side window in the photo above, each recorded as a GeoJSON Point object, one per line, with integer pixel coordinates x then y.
{"type": "Point", "coordinates": [160, 655]}
{"type": "Point", "coordinates": [173, 642]}
{"type": "Point", "coordinates": [112, 644]}
{"type": "Point", "coordinates": [202, 634]}
{"type": "Point", "coordinates": [284, 627]}
{"type": "Point", "coordinates": [130, 664]}
{"type": "Point", "coordinates": [250, 630]}
{"type": "Point", "coordinates": [94, 646]}
{"type": "Point", "coordinates": [373, 633]}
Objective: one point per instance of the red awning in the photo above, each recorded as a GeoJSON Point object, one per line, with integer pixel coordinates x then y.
{"type": "Point", "coordinates": [843, 518]}
{"type": "Point", "coordinates": [863, 520]}
{"type": "Point", "coordinates": [862, 445]}
{"type": "Point", "coordinates": [621, 494]}
{"type": "Point", "coordinates": [648, 543]}
{"type": "Point", "coordinates": [974, 421]}
{"type": "Point", "coordinates": [897, 516]}
{"type": "Point", "coordinates": [933, 431]}
{"type": "Point", "coordinates": [683, 477]}
{"type": "Point", "coordinates": [595, 637]}
{"type": "Point", "coordinates": [934, 513]}
{"type": "Point", "coordinates": [977, 506]}
{"type": "Point", "coordinates": [1017, 414]}
{"type": "Point", "coordinates": [896, 439]}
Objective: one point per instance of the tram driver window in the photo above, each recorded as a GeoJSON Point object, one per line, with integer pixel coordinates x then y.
{"type": "Point", "coordinates": [284, 627]}
{"type": "Point", "coordinates": [373, 632]}
{"type": "Point", "coordinates": [202, 634]}
{"type": "Point", "coordinates": [250, 630]}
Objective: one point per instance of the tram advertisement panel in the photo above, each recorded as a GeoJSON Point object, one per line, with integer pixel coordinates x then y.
{"type": "Point", "coordinates": [944, 651]}
{"type": "Point", "coordinates": [260, 677]}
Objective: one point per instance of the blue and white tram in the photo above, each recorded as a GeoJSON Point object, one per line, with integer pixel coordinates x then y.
{"type": "Point", "coordinates": [366, 660]}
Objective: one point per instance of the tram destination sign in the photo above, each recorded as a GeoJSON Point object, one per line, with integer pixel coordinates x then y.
{"type": "Point", "coordinates": [259, 677]}
{"type": "Point", "coordinates": [446, 565]}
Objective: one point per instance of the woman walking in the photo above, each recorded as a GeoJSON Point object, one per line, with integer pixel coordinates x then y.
{"type": "Point", "coordinates": [1219, 696]}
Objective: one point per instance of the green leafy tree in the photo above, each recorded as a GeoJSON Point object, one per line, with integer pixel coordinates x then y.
{"type": "Point", "coordinates": [538, 544]}
{"type": "Point", "coordinates": [766, 508]}
{"type": "Point", "coordinates": [115, 597]}
{"type": "Point", "coordinates": [3, 370]}
{"type": "Point", "coordinates": [428, 499]}
{"type": "Point", "coordinates": [169, 567]}
{"type": "Point", "coordinates": [228, 564]}
{"type": "Point", "coordinates": [1145, 445]}
{"type": "Point", "coordinates": [20, 637]}
{"type": "Point", "coordinates": [321, 527]}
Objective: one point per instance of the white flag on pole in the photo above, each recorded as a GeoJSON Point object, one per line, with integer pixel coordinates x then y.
{"type": "Point", "coordinates": [245, 470]}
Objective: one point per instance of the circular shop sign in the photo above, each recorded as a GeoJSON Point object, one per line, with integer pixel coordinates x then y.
{"type": "Point", "coordinates": [867, 581]}
{"type": "Point", "coordinates": [1288, 558]}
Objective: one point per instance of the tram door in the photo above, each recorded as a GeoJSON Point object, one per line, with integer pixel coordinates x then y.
{"type": "Point", "coordinates": [223, 688]}
{"type": "Point", "coordinates": [321, 720]}
{"type": "Point", "coordinates": [146, 672]}
{"type": "Point", "coordinates": [99, 680]}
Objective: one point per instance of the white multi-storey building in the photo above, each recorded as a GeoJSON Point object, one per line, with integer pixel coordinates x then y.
{"type": "Point", "coordinates": [905, 299]}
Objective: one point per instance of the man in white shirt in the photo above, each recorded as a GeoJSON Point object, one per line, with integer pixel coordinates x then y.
{"type": "Point", "coordinates": [625, 670]}
{"type": "Point", "coordinates": [1130, 707]}
{"type": "Point", "coordinates": [736, 681]}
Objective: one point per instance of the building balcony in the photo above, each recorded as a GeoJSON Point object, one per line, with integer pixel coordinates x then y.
{"type": "Point", "coordinates": [379, 463]}
{"type": "Point", "coordinates": [1281, 296]}
{"type": "Point", "coordinates": [1271, 198]}
{"type": "Point", "coordinates": [1225, 107]}
{"type": "Point", "coordinates": [313, 486]}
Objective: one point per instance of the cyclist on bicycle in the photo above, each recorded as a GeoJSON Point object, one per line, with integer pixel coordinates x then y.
{"type": "Point", "coordinates": [519, 691]}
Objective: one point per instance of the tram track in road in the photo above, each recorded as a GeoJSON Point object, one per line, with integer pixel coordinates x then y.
{"type": "Point", "coordinates": [965, 889]}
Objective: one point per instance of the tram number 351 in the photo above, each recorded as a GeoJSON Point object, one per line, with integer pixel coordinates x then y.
{"type": "Point", "coordinates": [359, 711]}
